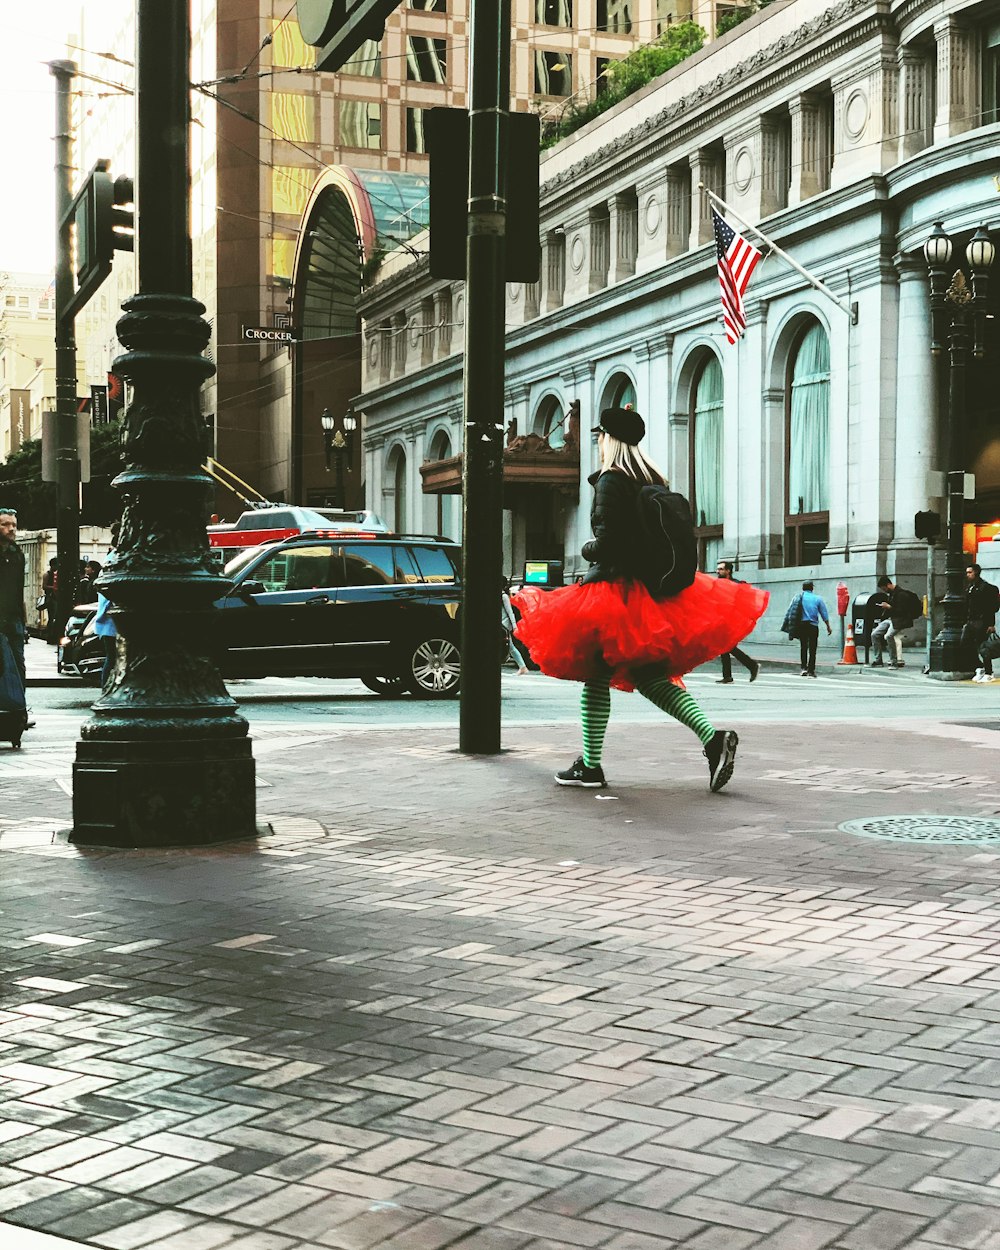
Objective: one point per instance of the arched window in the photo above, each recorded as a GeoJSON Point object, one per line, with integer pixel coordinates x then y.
{"type": "Point", "coordinates": [549, 422]}
{"type": "Point", "coordinates": [441, 450]}
{"type": "Point", "coordinates": [705, 448]}
{"type": "Point", "coordinates": [619, 392]}
{"type": "Point", "coordinates": [807, 444]}
{"type": "Point", "coordinates": [396, 490]}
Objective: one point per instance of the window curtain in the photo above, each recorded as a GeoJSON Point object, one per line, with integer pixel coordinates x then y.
{"type": "Point", "coordinates": [809, 435]}
{"type": "Point", "coordinates": [708, 445]}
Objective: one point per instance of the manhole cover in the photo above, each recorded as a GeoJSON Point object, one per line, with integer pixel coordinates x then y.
{"type": "Point", "coordinates": [925, 828]}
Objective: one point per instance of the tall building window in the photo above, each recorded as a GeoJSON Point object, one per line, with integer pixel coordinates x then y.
{"type": "Point", "coordinates": [416, 140]}
{"type": "Point", "coordinates": [615, 16]}
{"type": "Point", "coordinates": [705, 451]}
{"type": "Point", "coordinates": [366, 62]}
{"type": "Point", "coordinates": [430, 6]}
{"type": "Point", "coordinates": [359, 124]}
{"type": "Point", "coordinates": [554, 12]}
{"type": "Point", "coordinates": [553, 73]}
{"type": "Point", "coordinates": [549, 422]}
{"type": "Point", "coordinates": [807, 409]}
{"type": "Point", "coordinates": [293, 117]}
{"type": "Point", "coordinates": [619, 392]}
{"type": "Point", "coordinates": [426, 59]}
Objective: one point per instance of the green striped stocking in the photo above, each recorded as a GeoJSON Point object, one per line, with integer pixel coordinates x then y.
{"type": "Point", "coordinates": [675, 702]}
{"type": "Point", "coordinates": [595, 709]}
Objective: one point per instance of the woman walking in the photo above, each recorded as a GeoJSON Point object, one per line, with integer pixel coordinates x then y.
{"type": "Point", "coordinates": [610, 630]}
{"type": "Point", "coordinates": [508, 623]}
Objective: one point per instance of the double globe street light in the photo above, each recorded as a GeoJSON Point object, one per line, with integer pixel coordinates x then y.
{"type": "Point", "coordinates": [338, 438]}
{"type": "Point", "coordinates": [958, 315]}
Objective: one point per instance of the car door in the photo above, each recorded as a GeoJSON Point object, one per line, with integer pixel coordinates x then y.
{"type": "Point", "coordinates": [277, 620]}
{"type": "Point", "coordinates": [378, 597]}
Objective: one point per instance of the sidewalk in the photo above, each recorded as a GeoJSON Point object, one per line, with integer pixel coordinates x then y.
{"type": "Point", "coordinates": [443, 1003]}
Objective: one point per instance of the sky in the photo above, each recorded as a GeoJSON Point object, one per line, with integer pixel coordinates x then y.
{"type": "Point", "coordinates": [30, 36]}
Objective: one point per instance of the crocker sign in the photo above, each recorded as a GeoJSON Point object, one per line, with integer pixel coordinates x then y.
{"type": "Point", "coordinates": [265, 334]}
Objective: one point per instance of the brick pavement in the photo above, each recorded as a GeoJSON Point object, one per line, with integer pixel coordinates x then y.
{"type": "Point", "coordinates": [441, 1003]}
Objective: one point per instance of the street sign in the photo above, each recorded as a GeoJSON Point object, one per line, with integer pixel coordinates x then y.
{"type": "Point", "coordinates": [99, 405]}
{"type": "Point", "coordinates": [269, 334]}
{"type": "Point", "coordinates": [51, 450]}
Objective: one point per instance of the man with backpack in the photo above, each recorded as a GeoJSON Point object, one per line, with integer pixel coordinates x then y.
{"type": "Point", "coordinates": [900, 609]}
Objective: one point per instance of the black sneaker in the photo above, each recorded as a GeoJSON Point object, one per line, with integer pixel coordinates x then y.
{"type": "Point", "coordinates": [725, 681]}
{"type": "Point", "coordinates": [755, 671]}
{"type": "Point", "coordinates": [876, 664]}
{"type": "Point", "coordinates": [578, 774]}
{"type": "Point", "coordinates": [721, 754]}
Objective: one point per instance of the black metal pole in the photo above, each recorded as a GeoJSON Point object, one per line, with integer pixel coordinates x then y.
{"type": "Point", "coordinates": [482, 476]}
{"type": "Point", "coordinates": [67, 452]}
{"type": "Point", "coordinates": [165, 760]}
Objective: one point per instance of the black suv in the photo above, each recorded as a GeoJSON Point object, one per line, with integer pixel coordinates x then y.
{"type": "Point", "coordinates": [321, 604]}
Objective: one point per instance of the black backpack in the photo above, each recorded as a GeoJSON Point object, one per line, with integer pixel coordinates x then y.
{"type": "Point", "coordinates": [906, 605]}
{"type": "Point", "coordinates": [668, 552]}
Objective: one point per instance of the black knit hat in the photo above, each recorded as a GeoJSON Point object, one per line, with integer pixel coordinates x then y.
{"type": "Point", "coordinates": [622, 423]}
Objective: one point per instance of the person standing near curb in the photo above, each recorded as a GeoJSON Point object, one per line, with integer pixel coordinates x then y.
{"type": "Point", "coordinates": [983, 601]}
{"type": "Point", "coordinates": [508, 622]}
{"type": "Point", "coordinates": [643, 616]}
{"type": "Point", "coordinates": [724, 569]}
{"type": "Point", "coordinates": [13, 621]}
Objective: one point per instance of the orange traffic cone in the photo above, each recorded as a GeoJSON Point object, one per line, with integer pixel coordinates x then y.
{"type": "Point", "coordinates": [850, 651]}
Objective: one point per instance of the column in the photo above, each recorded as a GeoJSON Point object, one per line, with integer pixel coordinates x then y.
{"type": "Point", "coordinates": [442, 318]}
{"type": "Point", "coordinates": [806, 153]}
{"type": "Point", "coordinates": [624, 227]}
{"type": "Point", "coordinates": [414, 433]}
{"type": "Point", "coordinates": [916, 407]}
{"type": "Point", "coordinates": [599, 249]}
{"type": "Point", "coordinates": [553, 270]}
{"type": "Point", "coordinates": [754, 470]}
{"type": "Point", "coordinates": [914, 101]}
{"type": "Point", "coordinates": [579, 382]}
{"type": "Point", "coordinates": [708, 167]}
{"type": "Point", "coordinates": [959, 100]}
{"type": "Point", "coordinates": [678, 209]}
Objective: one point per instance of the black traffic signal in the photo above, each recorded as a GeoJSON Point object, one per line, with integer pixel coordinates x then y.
{"type": "Point", "coordinates": [103, 223]}
{"type": "Point", "coordinates": [339, 27]}
{"type": "Point", "coordinates": [927, 525]}
{"type": "Point", "coordinates": [448, 146]}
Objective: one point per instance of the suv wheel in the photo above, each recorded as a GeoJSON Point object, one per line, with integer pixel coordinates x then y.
{"type": "Point", "coordinates": [434, 669]}
{"type": "Point", "coordinates": [387, 687]}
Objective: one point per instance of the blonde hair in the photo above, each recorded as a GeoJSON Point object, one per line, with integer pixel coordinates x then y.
{"type": "Point", "coordinates": [624, 458]}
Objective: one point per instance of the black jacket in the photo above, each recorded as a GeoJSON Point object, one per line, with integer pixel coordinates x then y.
{"type": "Point", "coordinates": [982, 600]}
{"type": "Point", "coordinates": [612, 550]}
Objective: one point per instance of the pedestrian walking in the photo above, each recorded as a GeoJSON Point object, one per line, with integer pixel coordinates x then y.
{"type": "Point", "coordinates": [50, 585]}
{"type": "Point", "coordinates": [104, 628]}
{"type": "Point", "coordinates": [508, 622]}
{"type": "Point", "coordinates": [900, 608]}
{"type": "Point", "coordinates": [643, 616]}
{"type": "Point", "coordinates": [802, 622]}
{"type": "Point", "coordinates": [982, 602]}
{"type": "Point", "coordinates": [724, 569]}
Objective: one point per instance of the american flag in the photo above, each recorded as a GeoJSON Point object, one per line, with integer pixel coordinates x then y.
{"type": "Point", "coordinates": [737, 260]}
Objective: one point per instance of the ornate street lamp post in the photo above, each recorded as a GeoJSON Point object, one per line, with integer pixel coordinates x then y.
{"type": "Point", "coordinates": [165, 759]}
{"type": "Point", "coordinates": [338, 439]}
{"type": "Point", "coordinates": [959, 315]}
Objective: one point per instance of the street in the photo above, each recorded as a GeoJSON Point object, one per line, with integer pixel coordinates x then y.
{"type": "Point", "coordinates": [442, 1002]}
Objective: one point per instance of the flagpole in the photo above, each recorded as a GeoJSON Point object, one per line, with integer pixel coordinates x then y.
{"type": "Point", "coordinates": [850, 309]}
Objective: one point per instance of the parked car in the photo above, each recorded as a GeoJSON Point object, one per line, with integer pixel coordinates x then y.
{"type": "Point", "coordinates": [383, 608]}
{"type": "Point", "coordinates": [80, 652]}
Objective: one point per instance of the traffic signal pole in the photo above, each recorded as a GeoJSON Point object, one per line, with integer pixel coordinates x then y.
{"type": "Point", "coordinates": [67, 452]}
{"type": "Point", "coordinates": [482, 475]}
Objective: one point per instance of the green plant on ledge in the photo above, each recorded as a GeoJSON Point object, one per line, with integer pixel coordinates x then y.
{"type": "Point", "coordinates": [735, 16]}
{"type": "Point", "coordinates": [622, 78]}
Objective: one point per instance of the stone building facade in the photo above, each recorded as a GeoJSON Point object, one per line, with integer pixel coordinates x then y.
{"type": "Point", "coordinates": [845, 131]}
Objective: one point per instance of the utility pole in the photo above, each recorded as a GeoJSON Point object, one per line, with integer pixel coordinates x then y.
{"type": "Point", "coordinates": [67, 452]}
{"type": "Point", "coordinates": [482, 476]}
{"type": "Point", "coordinates": [165, 759]}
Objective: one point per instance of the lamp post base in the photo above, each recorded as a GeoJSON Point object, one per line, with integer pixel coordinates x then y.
{"type": "Point", "coordinates": [174, 792]}
{"type": "Point", "coordinates": [949, 660]}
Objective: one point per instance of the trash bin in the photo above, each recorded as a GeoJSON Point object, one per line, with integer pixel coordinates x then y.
{"type": "Point", "coordinates": [866, 612]}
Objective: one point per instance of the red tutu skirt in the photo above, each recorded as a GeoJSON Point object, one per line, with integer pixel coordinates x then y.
{"type": "Point", "coordinates": [586, 631]}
